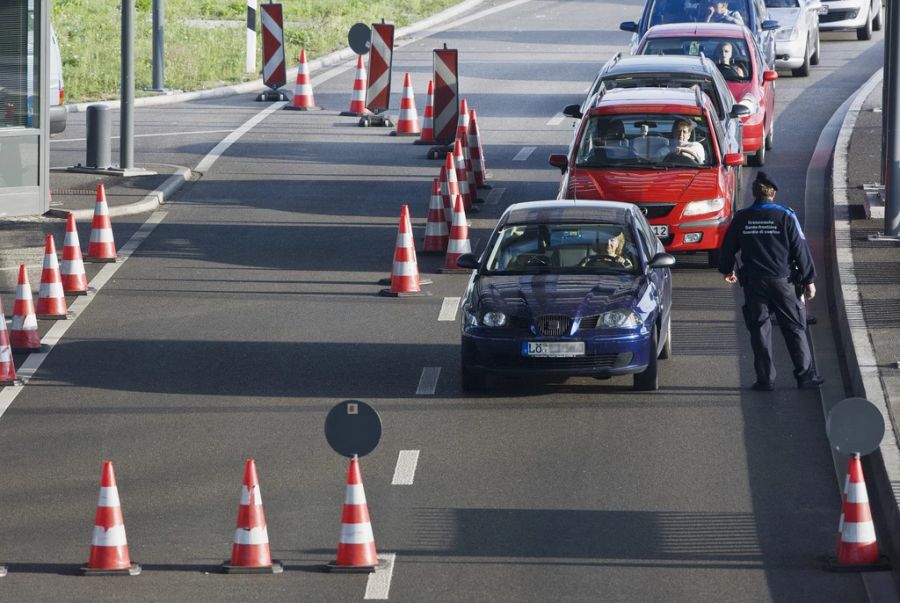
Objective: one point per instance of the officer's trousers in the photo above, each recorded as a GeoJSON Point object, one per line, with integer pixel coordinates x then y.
{"type": "Point", "coordinates": [762, 299]}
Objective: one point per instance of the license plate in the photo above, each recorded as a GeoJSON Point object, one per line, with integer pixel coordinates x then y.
{"type": "Point", "coordinates": [660, 231]}
{"type": "Point", "coordinates": [553, 349]}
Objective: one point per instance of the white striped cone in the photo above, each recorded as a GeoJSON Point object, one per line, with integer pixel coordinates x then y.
{"type": "Point", "coordinates": [427, 135]}
{"type": "Point", "coordinates": [24, 334]}
{"type": "Point", "coordinates": [462, 179]}
{"type": "Point", "coordinates": [459, 236]}
{"type": "Point", "coordinates": [408, 120]}
{"type": "Point", "coordinates": [356, 547]}
{"type": "Point", "coordinates": [71, 269]}
{"type": "Point", "coordinates": [477, 151]}
{"type": "Point", "coordinates": [250, 551]}
{"type": "Point", "coordinates": [7, 367]}
{"type": "Point", "coordinates": [449, 186]}
{"type": "Point", "coordinates": [358, 99]}
{"type": "Point", "coordinates": [405, 271]}
{"type": "Point", "coordinates": [858, 544]}
{"type": "Point", "coordinates": [436, 231]}
{"type": "Point", "coordinates": [109, 547]}
{"type": "Point", "coordinates": [51, 302]}
{"type": "Point", "coordinates": [102, 246]}
{"type": "Point", "coordinates": [303, 99]}
{"type": "Point", "coordinates": [462, 132]}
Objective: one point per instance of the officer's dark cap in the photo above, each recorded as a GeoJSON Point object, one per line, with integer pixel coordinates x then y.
{"type": "Point", "coordinates": [764, 179]}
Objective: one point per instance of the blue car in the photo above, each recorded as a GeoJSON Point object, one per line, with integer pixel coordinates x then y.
{"type": "Point", "coordinates": [568, 288]}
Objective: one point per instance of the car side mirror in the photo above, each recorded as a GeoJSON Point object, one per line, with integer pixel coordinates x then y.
{"type": "Point", "coordinates": [573, 111]}
{"type": "Point", "coordinates": [769, 75]}
{"type": "Point", "coordinates": [628, 26]}
{"type": "Point", "coordinates": [468, 261]}
{"type": "Point", "coordinates": [734, 159]}
{"type": "Point", "coordinates": [660, 260]}
{"type": "Point", "coordinates": [770, 25]}
{"type": "Point", "coordinates": [560, 161]}
{"type": "Point", "coordinates": [739, 110]}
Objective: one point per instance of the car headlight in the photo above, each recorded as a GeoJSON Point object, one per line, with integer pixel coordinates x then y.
{"type": "Point", "coordinates": [706, 206]}
{"type": "Point", "coordinates": [619, 319]}
{"type": "Point", "coordinates": [494, 319]}
{"type": "Point", "coordinates": [787, 34]}
{"type": "Point", "coordinates": [750, 102]}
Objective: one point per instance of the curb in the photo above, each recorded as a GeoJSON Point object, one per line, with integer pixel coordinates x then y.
{"type": "Point", "coordinates": [338, 56]}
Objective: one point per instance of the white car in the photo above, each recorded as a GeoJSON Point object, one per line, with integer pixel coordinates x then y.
{"type": "Point", "coordinates": [865, 16]}
{"type": "Point", "coordinates": [797, 40]}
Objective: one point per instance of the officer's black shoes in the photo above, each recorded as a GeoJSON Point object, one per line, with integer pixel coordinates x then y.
{"type": "Point", "coordinates": [762, 386]}
{"type": "Point", "coordinates": [812, 381]}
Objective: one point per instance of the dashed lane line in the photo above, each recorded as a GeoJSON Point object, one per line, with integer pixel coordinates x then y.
{"type": "Point", "coordinates": [379, 584]}
{"type": "Point", "coordinates": [428, 381]}
{"type": "Point", "coordinates": [405, 471]}
{"type": "Point", "coordinates": [494, 196]}
{"type": "Point", "coordinates": [524, 154]}
{"type": "Point", "coordinates": [448, 309]}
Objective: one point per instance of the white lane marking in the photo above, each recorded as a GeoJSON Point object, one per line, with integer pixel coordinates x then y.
{"type": "Point", "coordinates": [556, 120]}
{"type": "Point", "coordinates": [207, 162]}
{"type": "Point", "coordinates": [524, 154]}
{"type": "Point", "coordinates": [405, 471]}
{"type": "Point", "coordinates": [448, 309]}
{"type": "Point", "coordinates": [379, 583]}
{"type": "Point", "coordinates": [428, 381]}
{"type": "Point", "coordinates": [494, 196]}
{"type": "Point", "coordinates": [158, 134]}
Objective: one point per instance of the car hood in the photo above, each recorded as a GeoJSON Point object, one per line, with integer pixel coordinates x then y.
{"type": "Point", "coordinates": [635, 186]}
{"type": "Point", "coordinates": [787, 17]}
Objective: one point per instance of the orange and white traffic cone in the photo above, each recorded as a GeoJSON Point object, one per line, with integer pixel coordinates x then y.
{"type": "Point", "coordinates": [857, 547]}
{"type": "Point", "coordinates": [408, 120]}
{"type": "Point", "coordinates": [7, 367]}
{"type": "Point", "coordinates": [462, 179]}
{"type": "Point", "coordinates": [74, 279]}
{"type": "Point", "coordinates": [358, 99]}
{"type": "Point", "coordinates": [250, 552]}
{"type": "Point", "coordinates": [356, 547]}
{"type": "Point", "coordinates": [303, 99]}
{"type": "Point", "coordinates": [477, 151]}
{"type": "Point", "coordinates": [51, 302]}
{"type": "Point", "coordinates": [405, 272]}
{"type": "Point", "coordinates": [459, 239]}
{"type": "Point", "coordinates": [102, 246]}
{"type": "Point", "coordinates": [109, 547]}
{"type": "Point", "coordinates": [23, 333]}
{"type": "Point", "coordinates": [449, 186]}
{"type": "Point", "coordinates": [462, 133]}
{"type": "Point", "coordinates": [436, 231]}
{"type": "Point", "coordinates": [427, 134]}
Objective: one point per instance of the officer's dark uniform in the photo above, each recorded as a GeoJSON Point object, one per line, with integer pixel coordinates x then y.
{"type": "Point", "coordinates": [770, 241]}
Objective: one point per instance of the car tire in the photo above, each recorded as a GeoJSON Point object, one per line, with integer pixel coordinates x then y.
{"type": "Point", "coordinates": [473, 380]}
{"type": "Point", "coordinates": [770, 138]}
{"type": "Point", "coordinates": [802, 70]}
{"type": "Point", "coordinates": [648, 380]}
{"type": "Point", "coordinates": [816, 56]}
{"type": "Point", "coordinates": [666, 351]}
{"type": "Point", "coordinates": [878, 18]}
{"type": "Point", "coordinates": [758, 159]}
{"type": "Point", "coordinates": [865, 32]}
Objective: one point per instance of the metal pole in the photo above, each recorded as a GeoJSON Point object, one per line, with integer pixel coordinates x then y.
{"type": "Point", "coordinates": [250, 63]}
{"type": "Point", "coordinates": [126, 114]}
{"type": "Point", "coordinates": [885, 101]}
{"type": "Point", "coordinates": [158, 49]}
{"type": "Point", "coordinates": [892, 177]}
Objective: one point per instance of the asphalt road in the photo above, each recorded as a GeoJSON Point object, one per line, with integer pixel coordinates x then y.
{"type": "Point", "coordinates": [251, 309]}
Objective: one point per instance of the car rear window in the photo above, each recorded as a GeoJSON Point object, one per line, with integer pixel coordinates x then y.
{"type": "Point", "coordinates": [730, 55]}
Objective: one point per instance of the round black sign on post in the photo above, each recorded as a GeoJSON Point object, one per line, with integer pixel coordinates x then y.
{"type": "Point", "coordinates": [855, 425]}
{"type": "Point", "coordinates": [360, 38]}
{"type": "Point", "coordinates": [353, 428]}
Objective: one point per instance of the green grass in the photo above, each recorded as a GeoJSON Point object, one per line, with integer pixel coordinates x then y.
{"type": "Point", "coordinates": [197, 58]}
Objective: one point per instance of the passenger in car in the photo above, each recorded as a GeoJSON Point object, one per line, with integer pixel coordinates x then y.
{"type": "Point", "coordinates": [718, 13]}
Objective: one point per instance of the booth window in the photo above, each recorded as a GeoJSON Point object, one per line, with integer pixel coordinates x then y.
{"type": "Point", "coordinates": [20, 91]}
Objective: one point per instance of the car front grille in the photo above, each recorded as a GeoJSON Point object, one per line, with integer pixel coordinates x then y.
{"type": "Point", "coordinates": [589, 322]}
{"type": "Point", "coordinates": [553, 325]}
{"type": "Point", "coordinates": [838, 15]}
{"type": "Point", "coordinates": [587, 363]}
{"type": "Point", "coordinates": [656, 210]}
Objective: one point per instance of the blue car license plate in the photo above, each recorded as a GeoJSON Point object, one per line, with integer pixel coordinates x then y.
{"type": "Point", "coordinates": [553, 349]}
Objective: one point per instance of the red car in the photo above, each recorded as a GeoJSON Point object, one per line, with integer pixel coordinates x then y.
{"type": "Point", "coordinates": [735, 52]}
{"type": "Point", "coordinates": [662, 149]}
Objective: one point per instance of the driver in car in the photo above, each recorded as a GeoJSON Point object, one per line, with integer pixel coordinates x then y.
{"type": "Point", "coordinates": [610, 252]}
{"type": "Point", "coordinates": [682, 131]}
{"type": "Point", "coordinates": [725, 58]}
{"type": "Point", "coordinates": [718, 13]}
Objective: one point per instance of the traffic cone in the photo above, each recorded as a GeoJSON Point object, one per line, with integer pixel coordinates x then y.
{"type": "Point", "coordinates": [477, 151]}
{"type": "Point", "coordinates": [436, 226]}
{"type": "Point", "coordinates": [303, 92]}
{"type": "Point", "coordinates": [250, 552]}
{"type": "Point", "coordinates": [102, 246]}
{"type": "Point", "coordinates": [109, 547]}
{"type": "Point", "coordinates": [459, 161]}
{"type": "Point", "coordinates": [427, 135]}
{"type": "Point", "coordinates": [7, 368]}
{"type": "Point", "coordinates": [51, 302]}
{"type": "Point", "coordinates": [408, 120]}
{"type": "Point", "coordinates": [857, 547]}
{"type": "Point", "coordinates": [358, 99]}
{"type": "Point", "coordinates": [74, 279]}
{"type": "Point", "coordinates": [449, 186]}
{"type": "Point", "coordinates": [356, 547]}
{"type": "Point", "coordinates": [462, 132]}
{"type": "Point", "coordinates": [458, 243]}
{"type": "Point", "coordinates": [23, 333]}
{"type": "Point", "coordinates": [405, 272]}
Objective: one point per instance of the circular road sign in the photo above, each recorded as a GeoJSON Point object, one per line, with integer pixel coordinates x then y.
{"type": "Point", "coordinates": [360, 38]}
{"type": "Point", "coordinates": [353, 427]}
{"type": "Point", "coordinates": [855, 425]}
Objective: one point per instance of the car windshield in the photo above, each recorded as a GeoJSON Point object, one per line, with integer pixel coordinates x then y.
{"type": "Point", "coordinates": [692, 11]}
{"type": "Point", "coordinates": [782, 3]}
{"type": "Point", "coordinates": [590, 248]}
{"type": "Point", "coordinates": [730, 55]}
{"type": "Point", "coordinates": [672, 80]}
{"type": "Point", "coordinates": [645, 140]}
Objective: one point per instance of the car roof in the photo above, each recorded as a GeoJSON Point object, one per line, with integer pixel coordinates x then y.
{"type": "Point", "coordinates": [559, 210]}
{"type": "Point", "coordinates": [721, 30]}
{"type": "Point", "coordinates": [650, 63]}
{"type": "Point", "coordinates": [683, 98]}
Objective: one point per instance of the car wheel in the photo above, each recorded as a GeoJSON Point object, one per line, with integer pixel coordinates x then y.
{"type": "Point", "coordinates": [758, 159]}
{"type": "Point", "coordinates": [666, 352]}
{"type": "Point", "coordinates": [712, 258]}
{"type": "Point", "coordinates": [865, 32]}
{"type": "Point", "coordinates": [876, 21]}
{"type": "Point", "coordinates": [802, 70]}
{"type": "Point", "coordinates": [770, 138]}
{"type": "Point", "coordinates": [817, 53]}
{"type": "Point", "coordinates": [648, 380]}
